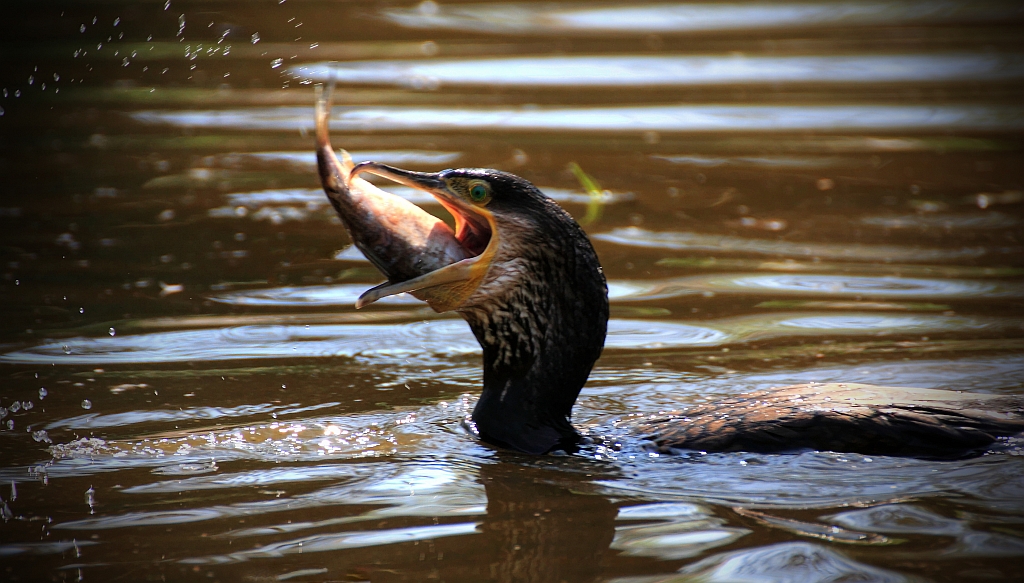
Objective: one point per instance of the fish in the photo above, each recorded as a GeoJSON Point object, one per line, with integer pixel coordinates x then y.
{"type": "Point", "coordinates": [404, 242]}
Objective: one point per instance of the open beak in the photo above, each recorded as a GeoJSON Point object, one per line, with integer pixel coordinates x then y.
{"type": "Point", "coordinates": [449, 287]}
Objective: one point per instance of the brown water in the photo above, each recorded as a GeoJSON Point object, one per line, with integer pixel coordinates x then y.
{"type": "Point", "coordinates": [796, 192]}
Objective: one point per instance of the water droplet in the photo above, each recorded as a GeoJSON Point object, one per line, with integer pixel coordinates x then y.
{"type": "Point", "coordinates": [86, 404]}
{"type": "Point", "coordinates": [112, 331]}
{"type": "Point", "coordinates": [31, 79]}
{"type": "Point", "coordinates": [90, 499]}
{"type": "Point", "coordinates": [15, 407]}
{"type": "Point", "coordinates": [255, 37]}
{"type": "Point", "coordinates": [117, 21]}
{"type": "Point", "coordinates": [428, 8]}
{"type": "Point", "coordinates": [81, 310]}
{"type": "Point", "coordinates": [43, 392]}
{"type": "Point", "coordinates": [56, 77]}
{"type": "Point", "coordinates": [81, 28]}
{"type": "Point", "coordinates": [10, 424]}
{"type": "Point", "coordinates": [276, 63]}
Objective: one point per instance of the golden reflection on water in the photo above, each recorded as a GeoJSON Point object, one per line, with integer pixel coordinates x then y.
{"type": "Point", "coordinates": [796, 192]}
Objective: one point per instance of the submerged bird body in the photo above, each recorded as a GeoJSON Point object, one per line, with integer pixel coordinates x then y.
{"type": "Point", "coordinates": [525, 277]}
{"type": "Point", "coordinates": [845, 417]}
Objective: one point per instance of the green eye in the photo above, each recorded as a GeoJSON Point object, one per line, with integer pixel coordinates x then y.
{"type": "Point", "coordinates": [478, 192]}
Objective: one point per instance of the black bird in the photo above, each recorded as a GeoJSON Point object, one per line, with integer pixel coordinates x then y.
{"type": "Point", "coordinates": [526, 278]}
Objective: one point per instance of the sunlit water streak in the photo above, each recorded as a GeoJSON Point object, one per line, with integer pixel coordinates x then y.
{"type": "Point", "coordinates": [788, 562]}
{"type": "Point", "coordinates": [306, 161]}
{"type": "Point", "coordinates": [99, 420]}
{"type": "Point", "coordinates": [989, 220]}
{"type": "Point", "coordinates": [689, 241]}
{"type": "Point", "coordinates": [667, 18]}
{"type": "Point", "coordinates": [641, 71]}
{"type": "Point", "coordinates": [438, 339]}
{"type": "Point", "coordinates": [809, 284]}
{"type": "Point", "coordinates": [314, 199]}
{"type": "Point", "coordinates": [768, 285]}
{"type": "Point", "coordinates": [765, 162]}
{"type": "Point", "coordinates": [669, 118]}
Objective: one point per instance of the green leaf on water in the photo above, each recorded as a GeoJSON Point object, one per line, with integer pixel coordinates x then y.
{"type": "Point", "coordinates": [593, 189]}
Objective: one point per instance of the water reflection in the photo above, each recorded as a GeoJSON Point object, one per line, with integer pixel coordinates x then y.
{"type": "Point", "coordinates": [767, 162]}
{"type": "Point", "coordinates": [782, 563]}
{"type": "Point", "coordinates": [44, 548]}
{"type": "Point", "coordinates": [301, 204]}
{"type": "Point", "coordinates": [809, 284]}
{"type": "Point", "coordinates": [669, 118]}
{"type": "Point", "coordinates": [640, 71]}
{"type": "Point", "coordinates": [683, 531]}
{"type": "Point", "coordinates": [684, 241]}
{"type": "Point", "coordinates": [432, 341]}
{"type": "Point", "coordinates": [555, 19]}
{"type": "Point", "coordinates": [991, 220]}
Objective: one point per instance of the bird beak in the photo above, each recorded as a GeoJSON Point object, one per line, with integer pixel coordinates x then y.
{"type": "Point", "coordinates": [449, 287]}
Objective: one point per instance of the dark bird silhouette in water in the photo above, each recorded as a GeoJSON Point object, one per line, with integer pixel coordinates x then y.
{"type": "Point", "coordinates": [526, 278]}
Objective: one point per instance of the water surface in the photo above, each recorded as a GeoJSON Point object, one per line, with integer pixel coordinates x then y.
{"type": "Point", "coordinates": [791, 193]}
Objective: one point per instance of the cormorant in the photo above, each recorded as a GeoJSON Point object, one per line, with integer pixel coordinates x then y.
{"type": "Point", "coordinates": [526, 278]}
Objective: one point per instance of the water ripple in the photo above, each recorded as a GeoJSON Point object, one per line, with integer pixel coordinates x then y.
{"type": "Point", "coordinates": [340, 541]}
{"type": "Point", "coordinates": [908, 519]}
{"type": "Point", "coordinates": [634, 70]}
{"type": "Point", "coordinates": [341, 294]}
{"type": "Point", "coordinates": [988, 220]}
{"type": "Point", "coordinates": [681, 18]}
{"type": "Point", "coordinates": [300, 202]}
{"type": "Point", "coordinates": [837, 286]}
{"type": "Point", "coordinates": [443, 339]}
{"type": "Point", "coordinates": [97, 420]}
{"type": "Point", "coordinates": [631, 119]}
{"type": "Point", "coordinates": [48, 548]}
{"type": "Point", "coordinates": [788, 562]}
{"type": "Point", "coordinates": [899, 519]}
{"type": "Point", "coordinates": [306, 161]}
{"type": "Point", "coordinates": [684, 241]}
{"type": "Point", "coordinates": [767, 162]}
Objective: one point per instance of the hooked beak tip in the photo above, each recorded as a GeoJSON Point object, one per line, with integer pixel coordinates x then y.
{"type": "Point", "coordinates": [359, 169]}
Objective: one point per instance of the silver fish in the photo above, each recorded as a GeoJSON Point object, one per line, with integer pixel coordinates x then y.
{"type": "Point", "coordinates": [403, 241]}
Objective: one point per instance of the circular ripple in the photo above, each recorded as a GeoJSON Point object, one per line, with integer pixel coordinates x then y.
{"type": "Point", "coordinates": [646, 334]}
{"type": "Point", "coordinates": [866, 286]}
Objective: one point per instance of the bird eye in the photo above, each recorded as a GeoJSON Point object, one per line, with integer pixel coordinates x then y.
{"type": "Point", "coordinates": [478, 192]}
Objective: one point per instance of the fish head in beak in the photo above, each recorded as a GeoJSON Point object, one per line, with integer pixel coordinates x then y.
{"type": "Point", "coordinates": [466, 194]}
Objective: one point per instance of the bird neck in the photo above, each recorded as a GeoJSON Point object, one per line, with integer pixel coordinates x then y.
{"type": "Point", "coordinates": [538, 352]}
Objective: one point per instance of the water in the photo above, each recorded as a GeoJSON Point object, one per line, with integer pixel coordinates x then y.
{"type": "Point", "coordinates": [802, 192]}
